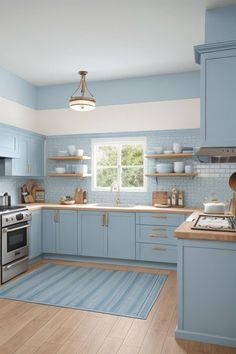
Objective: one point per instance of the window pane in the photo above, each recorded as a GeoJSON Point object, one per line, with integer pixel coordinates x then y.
{"type": "Point", "coordinates": [106, 176]}
{"type": "Point", "coordinates": [132, 177]}
{"type": "Point", "coordinates": [132, 155]}
{"type": "Point", "coordinates": [107, 155]}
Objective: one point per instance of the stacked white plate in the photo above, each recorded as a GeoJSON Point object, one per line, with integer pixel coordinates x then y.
{"type": "Point", "coordinates": [164, 167]}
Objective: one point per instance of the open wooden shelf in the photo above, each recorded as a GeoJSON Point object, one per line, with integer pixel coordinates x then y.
{"type": "Point", "coordinates": [81, 175]}
{"type": "Point", "coordinates": [72, 158]}
{"type": "Point", "coordinates": [169, 156]}
{"type": "Point", "coordinates": [171, 174]}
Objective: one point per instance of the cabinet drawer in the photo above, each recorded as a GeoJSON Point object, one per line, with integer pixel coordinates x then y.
{"type": "Point", "coordinates": [159, 219]}
{"type": "Point", "coordinates": [156, 253]}
{"type": "Point", "coordinates": [155, 234]}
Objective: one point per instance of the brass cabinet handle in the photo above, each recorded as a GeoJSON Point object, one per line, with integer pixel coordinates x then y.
{"type": "Point", "coordinates": [156, 235]}
{"type": "Point", "coordinates": [158, 228]}
{"type": "Point", "coordinates": [106, 219]}
{"type": "Point", "coordinates": [158, 249]}
{"type": "Point", "coordinates": [56, 216]}
{"type": "Point", "coordinates": [103, 219]}
{"type": "Point", "coordinates": [159, 217]}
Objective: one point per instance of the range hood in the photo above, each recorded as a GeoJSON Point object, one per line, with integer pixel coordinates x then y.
{"type": "Point", "coordinates": [217, 154]}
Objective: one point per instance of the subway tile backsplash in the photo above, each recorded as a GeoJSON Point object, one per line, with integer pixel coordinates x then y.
{"type": "Point", "coordinates": [212, 178]}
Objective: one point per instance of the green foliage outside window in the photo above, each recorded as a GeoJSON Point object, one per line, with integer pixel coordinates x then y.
{"type": "Point", "coordinates": [122, 163]}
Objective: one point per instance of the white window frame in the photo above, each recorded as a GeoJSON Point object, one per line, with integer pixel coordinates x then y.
{"type": "Point", "coordinates": [117, 141]}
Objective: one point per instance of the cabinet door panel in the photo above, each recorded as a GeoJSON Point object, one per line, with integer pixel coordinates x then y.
{"type": "Point", "coordinates": [67, 240]}
{"type": "Point", "coordinates": [8, 143]}
{"type": "Point", "coordinates": [121, 235]}
{"type": "Point", "coordinates": [49, 231]}
{"type": "Point", "coordinates": [218, 118]}
{"type": "Point", "coordinates": [20, 166]}
{"type": "Point", "coordinates": [37, 156]}
{"type": "Point", "coordinates": [94, 235]}
{"type": "Point", "coordinates": [35, 235]}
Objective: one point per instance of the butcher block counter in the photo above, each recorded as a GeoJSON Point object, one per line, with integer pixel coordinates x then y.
{"type": "Point", "coordinates": [184, 231]}
{"type": "Point", "coordinates": [206, 276]}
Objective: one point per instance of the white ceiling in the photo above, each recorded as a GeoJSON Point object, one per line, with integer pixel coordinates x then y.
{"type": "Point", "coordinates": [48, 41]}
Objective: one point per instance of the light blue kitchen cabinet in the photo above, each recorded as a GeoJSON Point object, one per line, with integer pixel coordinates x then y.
{"type": "Point", "coordinates": [60, 231]}
{"type": "Point", "coordinates": [155, 241]}
{"type": "Point", "coordinates": [36, 156]}
{"type": "Point", "coordinates": [218, 87]}
{"type": "Point", "coordinates": [35, 235]}
{"type": "Point", "coordinates": [31, 156]}
{"type": "Point", "coordinates": [9, 144]}
{"type": "Point", "coordinates": [206, 291]}
{"type": "Point", "coordinates": [66, 238]}
{"type": "Point", "coordinates": [94, 234]}
{"type": "Point", "coordinates": [49, 231]}
{"type": "Point", "coordinates": [121, 235]}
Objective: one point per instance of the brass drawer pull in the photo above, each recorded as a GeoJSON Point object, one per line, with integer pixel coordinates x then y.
{"type": "Point", "coordinates": [159, 217]}
{"type": "Point", "coordinates": [158, 249]}
{"type": "Point", "coordinates": [156, 235]}
{"type": "Point", "coordinates": [158, 228]}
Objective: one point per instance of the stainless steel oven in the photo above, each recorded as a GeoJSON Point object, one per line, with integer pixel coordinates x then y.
{"type": "Point", "coordinates": [14, 241]}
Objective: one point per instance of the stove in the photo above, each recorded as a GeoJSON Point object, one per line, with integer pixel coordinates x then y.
{"type": "Point", "coordinates": [6, 209]}
{"type": "Point", "coordinates": [215, 223]}
{"type": "Point", "coordinates": [14, 243]}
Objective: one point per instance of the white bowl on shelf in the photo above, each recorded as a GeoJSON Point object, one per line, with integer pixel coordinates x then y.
{"type": "Point", "coordinates": [168, 151]}
{"type": "Point", "coordinates": [60, 169]}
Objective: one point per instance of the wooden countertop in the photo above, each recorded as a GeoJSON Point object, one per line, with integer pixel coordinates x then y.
{"type": "Point", "coordinates": [94, 207]}
{"type": "Point", "coordinates": [185, 231]}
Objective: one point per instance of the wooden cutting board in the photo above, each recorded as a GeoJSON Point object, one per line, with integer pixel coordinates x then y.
{"type": "Point", "coordinates": [79, 196]}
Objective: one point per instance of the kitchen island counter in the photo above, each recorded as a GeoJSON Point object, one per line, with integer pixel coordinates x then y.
{"type": "Point", "coordinates": [184, 231]}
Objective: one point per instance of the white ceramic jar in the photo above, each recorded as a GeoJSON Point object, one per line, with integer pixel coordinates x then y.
{"type": "Point", "coordinates": [177, 148]}
{"type": "Point", "coordinates": [179, 166]}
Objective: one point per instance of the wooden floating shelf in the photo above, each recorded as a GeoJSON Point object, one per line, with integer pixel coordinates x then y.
{"type": "Point", "coordinates": [171, 174]}
{"type": "Point", "coordinates": [169, 156]}
{"type": "Point", "coordinates": [67, 158]}
{"type": "Point", "coordinates": [81, 175]}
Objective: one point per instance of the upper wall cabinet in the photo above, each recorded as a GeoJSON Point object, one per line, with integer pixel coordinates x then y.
{"type": "Point", "coordinates": [218, 93]}
{"type": "Point", "coordinates": [9, 144]}
{"type": "Point", "coordinates": [31, 157]}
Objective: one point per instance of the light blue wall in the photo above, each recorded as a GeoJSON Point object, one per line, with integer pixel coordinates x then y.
{"type": "Point", "coordinates": [133, 90]}
{"type": "Point", "coordinates": [16, 89]}
{"type": "Point", "coordinates": [220, 24]}
{"type": "Point", "coordinates": [110, 92]}
{"type": "Point", "coordinates": [211, 179]}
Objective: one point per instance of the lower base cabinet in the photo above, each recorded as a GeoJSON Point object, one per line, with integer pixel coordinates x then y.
{"type": "Point", "coordinates": [206, 291]}
{"type": "Point", "coordinates": [60, 231]}
{"type": "Point", "coordinates": [93, 234]}
{"type": "Point", "coordinates": [108, 234]}
{"type": "Point", "coordinates": [121, 235]}
{"type": "Point", "coordinates": [35, 235]}
{"type": "Point", "coordinates": [156, 252]}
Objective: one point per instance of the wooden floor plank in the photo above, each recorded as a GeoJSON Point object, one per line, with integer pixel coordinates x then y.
{"type": "Point", "coordinates": [31, 328]}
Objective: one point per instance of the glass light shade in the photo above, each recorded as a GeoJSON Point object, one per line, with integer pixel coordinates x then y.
{"type": "Point", "coordinates": [82, 103]}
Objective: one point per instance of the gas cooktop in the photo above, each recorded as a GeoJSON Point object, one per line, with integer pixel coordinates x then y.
{"type": "Point", "coordinates": [215, 223]}
{"type": "Point", "coordinates": [4, 208]}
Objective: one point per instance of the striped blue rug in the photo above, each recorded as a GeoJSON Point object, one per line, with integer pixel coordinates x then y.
{"type": "Point", "coordinates": [115, 292]}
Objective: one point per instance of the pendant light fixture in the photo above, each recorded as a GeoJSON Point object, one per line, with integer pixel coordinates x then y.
{"type": "Point", "coordinates": [82, 99]}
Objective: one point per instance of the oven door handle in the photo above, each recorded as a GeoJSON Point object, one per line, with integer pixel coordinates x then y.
{"type": "Point", "coordinates": [17, 228]}
{"type": "Point", "coordinates": [13, 265]}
